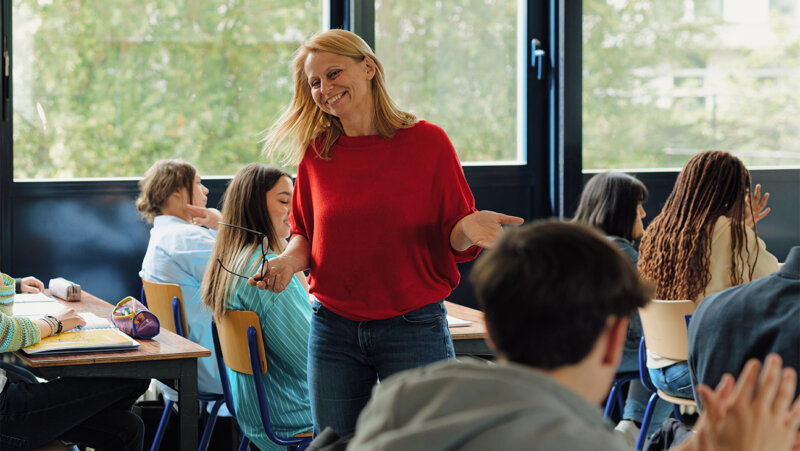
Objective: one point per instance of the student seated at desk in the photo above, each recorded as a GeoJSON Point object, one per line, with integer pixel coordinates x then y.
{"type": "Point", "coordinates": [173, 199]}
{"type": "Point", "coordinates": [612, 202]}
{"type": "Point", "coordinates": [87, 411]}
{"type": "Point", "coordinates": [703, 241]}
{"type": "Point", "coordinates": [557, 298]}
{"type": "Point", "coordinates": [259, 198]}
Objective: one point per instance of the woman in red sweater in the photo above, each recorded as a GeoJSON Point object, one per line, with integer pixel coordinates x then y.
{"type": "Point", "coordinates": [381, 214]}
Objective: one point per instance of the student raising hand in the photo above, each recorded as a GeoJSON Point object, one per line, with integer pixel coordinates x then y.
{"type": "Point", "coordinates": [756, 413]}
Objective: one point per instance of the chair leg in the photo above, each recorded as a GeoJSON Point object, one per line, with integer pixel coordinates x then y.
{"type": "Point", "coordinates": [648, 417]}
{"type": "Point", "coordinates": [610, 402]}
{"type": "Point", "coordinates": [209, 429]}
{"type": "Point", "coordinates": [162, 426]}
{"type": "Point", "coordinates": [676, 409]}
{"type": "Point", "coordinates": [244, 444]}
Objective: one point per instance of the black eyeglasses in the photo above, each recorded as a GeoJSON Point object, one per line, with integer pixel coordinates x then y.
{"type": "Point", "coordinates": [264, 250]}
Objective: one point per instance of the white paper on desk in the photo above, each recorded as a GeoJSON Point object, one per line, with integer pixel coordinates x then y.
{"type": "Point", "coordinates": [94, 322]}
{"type": "Point", "coordinates": [32, 297]}
{"type": "Point", "coordinates": [452, 321]}
{"type": "Point", "coordinates": [37, 308]}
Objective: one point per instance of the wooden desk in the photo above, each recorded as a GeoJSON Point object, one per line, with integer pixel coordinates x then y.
{"type": "Point", "coordinates": [167, 356]}
{"type": "Point", "coordinates": [468, 340]}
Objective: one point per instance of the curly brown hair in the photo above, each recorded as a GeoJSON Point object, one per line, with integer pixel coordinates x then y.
{"type": "Point", "coordinates": [675, 249]}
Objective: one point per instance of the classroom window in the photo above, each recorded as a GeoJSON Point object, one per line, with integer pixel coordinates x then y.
{"type": "Point", "coordinates": [104, 88]}
{"type": "Point", "coordinates": [458, 65]}
{"type": "Point", "coordinates": [663, 80]}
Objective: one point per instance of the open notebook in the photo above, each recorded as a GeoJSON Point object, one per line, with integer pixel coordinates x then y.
{"type": "Point", "coordinates": [97, 335]}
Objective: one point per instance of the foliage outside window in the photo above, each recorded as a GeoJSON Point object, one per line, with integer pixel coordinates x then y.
{"type": "Point", "coordinates": [455, 64]}
{"type": "Point", "coordinates": [663, 80]}
{"type": "Point", "coordinates": [104, 88]}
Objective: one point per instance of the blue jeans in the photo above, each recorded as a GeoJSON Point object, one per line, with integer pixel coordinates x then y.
{"type": "Point", "coordinates": [346, 358]}
{"type": "Point", "coordinates": [673, 380]}
{"type": "Point", "coordinates": [638, 396]}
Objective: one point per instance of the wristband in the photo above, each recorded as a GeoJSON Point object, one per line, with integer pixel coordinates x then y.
{"type": "Point", "coordinates": [57, 322]}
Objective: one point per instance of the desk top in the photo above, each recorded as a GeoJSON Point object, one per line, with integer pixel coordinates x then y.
{"type": "Point", "coordinates": [476, 330]}
{"type": "Point", "coordinates": [165, 346]}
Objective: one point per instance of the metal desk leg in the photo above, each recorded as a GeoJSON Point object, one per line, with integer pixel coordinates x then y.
{"type": "Point", "coordinates": [187, 404]}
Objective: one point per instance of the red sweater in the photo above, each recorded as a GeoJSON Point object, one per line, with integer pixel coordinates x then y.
{"type": "Point", "coordinates": [378, 216]}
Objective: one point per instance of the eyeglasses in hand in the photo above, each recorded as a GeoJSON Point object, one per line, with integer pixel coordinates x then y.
{"type": "Point", "coordinates": [264, 250]}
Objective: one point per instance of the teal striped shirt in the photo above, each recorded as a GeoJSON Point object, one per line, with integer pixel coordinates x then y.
{"type": "Point", "coordinates": [285, 321]}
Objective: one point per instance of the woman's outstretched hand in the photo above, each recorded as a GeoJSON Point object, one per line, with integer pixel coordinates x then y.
{"type": "Point", "coordinates": [755, 207]}
{"type": "Point", "coordinates": [480, 229]}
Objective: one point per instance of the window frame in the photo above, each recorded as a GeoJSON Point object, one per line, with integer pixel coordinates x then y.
{"type": "Point", "coordinates": [543, 185]}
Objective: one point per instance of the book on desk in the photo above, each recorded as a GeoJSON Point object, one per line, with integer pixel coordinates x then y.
{"type": "Point", "coordinates": [97, 335]}
{"type": "Point", "coordinates": [86, 340]}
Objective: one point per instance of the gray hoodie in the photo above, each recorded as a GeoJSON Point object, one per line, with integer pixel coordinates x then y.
{"type": "Point", "coordinates": [473, 405]}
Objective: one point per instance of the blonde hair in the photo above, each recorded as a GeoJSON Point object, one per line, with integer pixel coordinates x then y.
{"type": "Point", "coordinates": [243, 205]}
{"type": "Point", "coordinates": [302, 123]}
{"type": "Point", "coordinates": [162, 179]}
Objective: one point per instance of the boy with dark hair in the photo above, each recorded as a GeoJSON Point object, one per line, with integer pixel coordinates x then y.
{"type": "Point", "coordinates": [557, 297]}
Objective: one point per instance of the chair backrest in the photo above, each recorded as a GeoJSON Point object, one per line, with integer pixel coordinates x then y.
{"type": "Point", "coordinates": [232, 329]}
{"type": "Point", "coordinates": [159, 301]}
{"type": "Point", "coordinates": [237, 339]}
{"type": "Point", "coordinates": [664, 327]}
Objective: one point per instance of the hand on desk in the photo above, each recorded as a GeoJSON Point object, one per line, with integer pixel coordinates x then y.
{"type": "Point", "coordinates": [31, 284]}
{"type": "Point", "coordinates": [69, 320]}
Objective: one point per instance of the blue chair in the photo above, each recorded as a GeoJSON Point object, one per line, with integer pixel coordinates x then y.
{"type": "Point", "coordinates": [171, 316]}
{"type": "Point", "coordinates": [239, 346]}
{"type": "Point", "coordinates": [664, 325]}
{"type": "Point", "coordinates": [615, 398]}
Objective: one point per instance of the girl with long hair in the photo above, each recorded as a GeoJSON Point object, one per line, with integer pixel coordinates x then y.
{"type": "Point", "coordinates": [612, 202]}
{"type": "Point", "coordinates": [173, 199]}
{"type": "Point", "coordinates": [703, 241]}
{"type": "Point", "coordinates": [259, 199]}
{"type": "Point", "coordinates": [381, 215]}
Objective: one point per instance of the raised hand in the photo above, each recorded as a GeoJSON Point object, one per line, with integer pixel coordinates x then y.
{"type": "Point", "coordinates": [480, 229]}
{"type": "Point", "coordinates": [755, 414]}
{"type": "Point", "coordinates": [31, 284]}
{"type": "Point", "coordinates": [755, 207]}
{"type": "Point", "coordinates": [207, 217]}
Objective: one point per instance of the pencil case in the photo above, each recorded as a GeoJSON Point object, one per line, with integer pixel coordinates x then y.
{"type": "Point", "coordinates": [133, 318]}
{"type": "Point", "coordinates": [66, 290]}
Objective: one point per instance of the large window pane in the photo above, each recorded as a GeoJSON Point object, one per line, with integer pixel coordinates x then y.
{"type": "Point", "coordinates": [104, 88]}
{"type": "Point", "coordinates": [663, 80]}
{"type": "Point", "coordinates": [456, 64]}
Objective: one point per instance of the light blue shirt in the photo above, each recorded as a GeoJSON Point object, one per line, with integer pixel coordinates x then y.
{"type": "Point", "coordinates": [285, 319]}
{"type": "Point", "coordinates": [178, 253]}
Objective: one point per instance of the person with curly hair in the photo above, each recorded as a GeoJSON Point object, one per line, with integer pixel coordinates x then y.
{"type": "Point", "coordinates": [703, 241]}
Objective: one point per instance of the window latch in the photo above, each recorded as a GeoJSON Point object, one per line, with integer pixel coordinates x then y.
{"type": "Point", "coordinates": [538, 56]}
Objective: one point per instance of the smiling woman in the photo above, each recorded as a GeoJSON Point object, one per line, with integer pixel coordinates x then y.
{"type": "Point", "coordinates": [380, 232]}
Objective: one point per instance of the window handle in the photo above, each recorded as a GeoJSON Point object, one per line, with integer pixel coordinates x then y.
{"type": "Point", "coordinates": [538, 56]}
